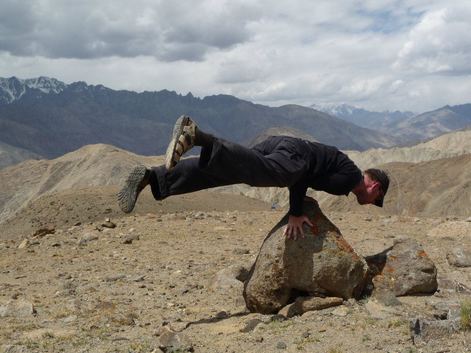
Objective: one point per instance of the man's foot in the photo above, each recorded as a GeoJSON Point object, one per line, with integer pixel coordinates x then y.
{"type": "Point", "coordinates": [137, 180]}
{"type": "Point", "coordinates": [183, 139]}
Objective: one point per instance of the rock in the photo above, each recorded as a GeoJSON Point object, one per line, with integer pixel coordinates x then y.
{"type": "Point", "coordinates": [281, 345]}
{"type": "Point", "coordinates": [379, 311]}
{"type": "Point", "coordinates": [43, 231]}
{"type": "Point", "coordinates": [17, 308]}
{"type": "Point", "coordinates": [86, 238]}
{"type": "Point", "coordinates": [171, 341]}
{"type": "Point", "coordinates": [305, 304]}
{"type": "Point", "coordinates": [423, 329]}
{"type": "Point", "coordinates": [320, 263]}
{"type": "Point", "coordinates": [24, 244]}
{"type": "Point", "coordinates": [240, 251]}
{"type": "Point", "coordinates": [229, 279]}
{"type": "Point", "coordinates": [250, 325]}
{"type": "Point", "coordinates": [114, 278]}
{"type": "Point", "coordinates": [459, 257]}
{"type": "Point", "coordinates": [128, 239]}
{"type": "Point", "coordinates": [108, 224]}
{"type": "Point", "coordinates": [341, 311]}
{"type": "Point", "coordinates": [404, 269]}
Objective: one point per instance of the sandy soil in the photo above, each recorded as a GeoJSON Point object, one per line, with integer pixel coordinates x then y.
{"type": "Point", "coordinates": [92, 292]}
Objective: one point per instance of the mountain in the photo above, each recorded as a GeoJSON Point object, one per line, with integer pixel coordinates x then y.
{"type": "Point", "coordinates": [452, 144]}
{"type": "Point", "coordinates": [10, 155]}
{"type": "Point", "coordinates": [434, 123]}
{"type": "Point", "coordinates": [381, 121]}
{"type": "Point", "coordinates": [13, 89]}
{"type": "Point", "coordinates": [50, 118]}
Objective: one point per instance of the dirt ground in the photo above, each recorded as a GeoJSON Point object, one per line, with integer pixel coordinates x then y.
{"type": "Point", "coordinates": [99, 289]}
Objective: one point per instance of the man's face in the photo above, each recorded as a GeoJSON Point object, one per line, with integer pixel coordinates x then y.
{"type": "Point", "coordinates": [372, 191]}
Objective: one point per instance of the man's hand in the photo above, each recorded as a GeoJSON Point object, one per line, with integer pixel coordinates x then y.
{"type": "Point", "coordinates": [294, 229]}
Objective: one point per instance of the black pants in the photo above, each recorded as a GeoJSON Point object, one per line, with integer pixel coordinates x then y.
{"type": "Point", "coordinates": [277, 161]}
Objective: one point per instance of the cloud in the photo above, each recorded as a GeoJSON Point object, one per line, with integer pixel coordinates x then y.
{"type": "Point", "coordinates": [439, 43]}
{"type": "Point", "coordinates": [392, 54]}
{"type": "Point", "coordinates": [183, 30]}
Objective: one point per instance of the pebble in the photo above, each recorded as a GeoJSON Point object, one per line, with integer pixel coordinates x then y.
{"type": "Point", "coordinates": [86, 238]}
{"type": "Point", "coordinates": [24, 244]}
{"type": "Point", "coordinates": [108, 224]}
{"type": "Point", "coordinates": [281, 345]}
{"type": "Point", "coordinates": [128, 239]}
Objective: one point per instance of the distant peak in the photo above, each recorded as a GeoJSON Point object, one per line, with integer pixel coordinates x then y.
{"type": "Point", "coordinates": [13, 88]}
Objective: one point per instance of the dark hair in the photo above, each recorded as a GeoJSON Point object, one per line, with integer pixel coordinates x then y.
{"type": "Point", "coordinates": [382, 177]}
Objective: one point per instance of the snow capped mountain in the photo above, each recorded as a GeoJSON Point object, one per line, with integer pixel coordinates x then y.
{"type": "Point", "coordinates": [382, 121]}
{"type": "Point", "coordinates": [12, 89]}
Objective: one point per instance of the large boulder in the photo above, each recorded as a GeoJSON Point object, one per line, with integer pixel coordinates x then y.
{"type": "Point", "coordinates": [320, 264]}
{"type": "Point", "coordinates": [403, 269]}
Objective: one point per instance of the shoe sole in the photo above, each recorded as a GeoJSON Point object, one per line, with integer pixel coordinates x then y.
{"type": "Point", "coordinates": [128, 195]}
{"type": "Point", "coordinates": [170, 160]}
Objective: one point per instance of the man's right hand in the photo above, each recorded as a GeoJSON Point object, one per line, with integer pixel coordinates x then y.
{"type": "Point", "coordinates": [294, 229]}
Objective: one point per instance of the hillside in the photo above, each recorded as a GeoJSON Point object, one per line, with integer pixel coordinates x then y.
{"type": "Point", "coordinates": [10, 155]}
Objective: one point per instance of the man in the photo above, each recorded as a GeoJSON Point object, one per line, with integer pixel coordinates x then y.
{"type": "Point", "coordinates": [278, 161]}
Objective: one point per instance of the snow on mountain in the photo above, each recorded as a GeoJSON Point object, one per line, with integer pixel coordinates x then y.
{"type": "Point", "coordinates": [13, 88]}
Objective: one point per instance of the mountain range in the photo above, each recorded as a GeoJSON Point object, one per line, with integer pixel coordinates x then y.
{"type": "Point", "coordinates": [407, 126]}
{"type": "Point", "coordinates": [50, 118]}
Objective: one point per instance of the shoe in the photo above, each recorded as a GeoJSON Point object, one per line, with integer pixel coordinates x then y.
{"type": "Point", "coordinates": [183, 139]}
{"type": "Point", "coordinates": [137, 180]}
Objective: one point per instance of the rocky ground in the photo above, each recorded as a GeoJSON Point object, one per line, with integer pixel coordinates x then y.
{"type": "Point", "coordinates": [161, 274]}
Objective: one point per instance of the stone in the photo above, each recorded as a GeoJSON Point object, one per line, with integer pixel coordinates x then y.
{"type": "Point", "coordinates": [24, 244]}
{"type": "Point", "coordinates": [379, 311]}
{"type": "Point", "coordinates": [128, 239]}
{"type": "Point", "coordinates": [424, 329]}
{"type": "Point", "coordinates": [17, 308]}
{"type": "Point", "coordinates": [304, 304]}
{"type": "Point", "coordinates": [250, 325]}
{"type": "Point", "coordinates": [281, 345]}
{"type": "Point", "coordinates": [108, 224]}
{"type": "Point", "coordinates": [86, 238]}
{"type": "Point", "coordinates": [43, 231]}
{"type": "Point", "coordinates": [341, 311]}
{"type": "Point", "coordinates": [405, 269]}
{"type": "Point", "coordinates": [171, 341]}
{"type": "Point", "coordinates": [229, 279]}
{"type": "Point", "coordinates": [459, 257]}
{"type": "Point", "coordinates": [320, 264]}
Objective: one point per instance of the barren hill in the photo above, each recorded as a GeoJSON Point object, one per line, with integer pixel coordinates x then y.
{"type": "Point", "coordinates": [448, 145]}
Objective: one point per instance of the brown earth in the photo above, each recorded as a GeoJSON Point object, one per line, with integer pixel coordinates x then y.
{"type": "Point", "coordinates": [102, 295]}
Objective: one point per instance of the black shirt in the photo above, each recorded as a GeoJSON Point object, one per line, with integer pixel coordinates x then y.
{"type": "Point", "coordinates": [318, 166]}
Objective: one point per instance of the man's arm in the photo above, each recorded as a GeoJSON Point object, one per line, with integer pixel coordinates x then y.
{"type": "Point", "coordinates": [296, 218]}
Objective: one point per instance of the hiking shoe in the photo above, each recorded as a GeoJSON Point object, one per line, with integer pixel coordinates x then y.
{"type": "Point", "coordinates": [137, 180]}
{"type": "Point", "coordinates": [183, 139]}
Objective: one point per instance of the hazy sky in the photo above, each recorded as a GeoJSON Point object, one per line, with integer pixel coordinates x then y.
{"type": "Point", "coordinates": [389, 54]}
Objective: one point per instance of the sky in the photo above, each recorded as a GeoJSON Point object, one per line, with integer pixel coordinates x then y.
{"type": "Point", "coordinates": [380, 55]}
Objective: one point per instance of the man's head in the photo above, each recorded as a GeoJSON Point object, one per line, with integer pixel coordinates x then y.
{"type": "Point", "coordinates": [374, 187]}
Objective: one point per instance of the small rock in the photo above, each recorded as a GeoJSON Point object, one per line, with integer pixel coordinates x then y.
{"type": "Point", "coordinates": [138, 278]}
{"type": "Point", "coordinates": [128, 239]}
{"type": "Point", "coordinates": [86, 238]}
{"type": "Point", "coordinates": [114, 278]}
{"type": "Point", "coordinates": [108, 224]}
{"type": "Point", "coordinates": [423, 329]}
{"type": "Point", "coordinates": [459, 257]}
{"type": "Point", "coordinates": [340, 311]}
{"type": "Point", "coordinates": [17, 308]}
{"type": "Point", "coordinates": [239, 251]}
{"type": "Point", "coordinates": [171, 341]}
{"type": "Point", "coordinates": [24, 244]}
{"type": "Point", "coordinates": [305, 304]}
{"type": "Point", "coordinates": [250, 325]}
{"type": "Point", "coordinates": [43, 231]}
{"type": "Point", "coordinates": [281, 345]}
